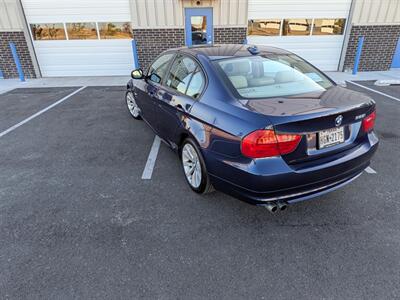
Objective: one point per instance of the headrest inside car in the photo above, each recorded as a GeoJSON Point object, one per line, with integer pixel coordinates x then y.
{"type": "Point", "coordinates": [242, 67]}
{"type": "Point", "coordinates": [228, 68]}
{"type": "Point", "coordinates": [237, 68]}
{"type": "Point", "coordinates": [238, 81]}
{"type": "Point", "coordinates": [285, 76]}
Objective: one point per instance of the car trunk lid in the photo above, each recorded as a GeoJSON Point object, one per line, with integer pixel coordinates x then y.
{"type": "Point", "coordinates": [316, 115]}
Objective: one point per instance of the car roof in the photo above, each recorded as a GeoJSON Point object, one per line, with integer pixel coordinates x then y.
{"type": "Point", "coordinates": [220, 51]}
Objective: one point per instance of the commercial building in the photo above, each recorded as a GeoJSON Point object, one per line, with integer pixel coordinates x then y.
{"type": "Point", "coordinates": [94, 37]}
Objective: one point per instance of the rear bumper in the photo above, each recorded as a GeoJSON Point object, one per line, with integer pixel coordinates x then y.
{"type": "Point", "coordinates": [271, 179]}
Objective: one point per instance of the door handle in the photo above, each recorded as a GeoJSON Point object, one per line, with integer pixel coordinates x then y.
{"type": "Point", "coordinates": [183, 109]}
{"type": "Point", "coordinates": [179, 108]}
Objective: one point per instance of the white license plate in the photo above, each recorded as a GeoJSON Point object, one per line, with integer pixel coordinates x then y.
{"type": "Point", "coordinates": [330, 137]}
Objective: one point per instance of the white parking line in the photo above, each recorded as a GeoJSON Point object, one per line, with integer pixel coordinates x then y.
{"type": "Point", "coordinates": [375, 91]}
{"type": "Point", "coordinates": [151, 160]}
{"type": "Point", "coordinates": [39, 112]}
{"type": "Point", "coordinates": [369, 170]}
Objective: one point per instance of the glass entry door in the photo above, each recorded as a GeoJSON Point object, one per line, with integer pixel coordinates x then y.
{"type": "Point", "coordinates": [198, 26]}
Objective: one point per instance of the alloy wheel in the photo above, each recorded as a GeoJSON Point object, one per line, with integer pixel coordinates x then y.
{"type": "Point", "coordinates": [132, 106]}
{"type": "Point", "coordinates": [191, 165]}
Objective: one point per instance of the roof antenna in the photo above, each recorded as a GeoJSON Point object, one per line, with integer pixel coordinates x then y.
{"type": "Point", "coordinates": [253, 50]}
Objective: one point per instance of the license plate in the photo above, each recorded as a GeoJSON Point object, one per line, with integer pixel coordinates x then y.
{"type": "Point", "coordinates": [330, 137]}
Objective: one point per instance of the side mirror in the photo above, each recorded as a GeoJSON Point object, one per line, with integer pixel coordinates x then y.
{"type": "Point", "coordinates": [137, 74]}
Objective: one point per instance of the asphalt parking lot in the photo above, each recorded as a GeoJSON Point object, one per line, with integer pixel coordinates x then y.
{"type": "Point", "coordinates": [78, 221]}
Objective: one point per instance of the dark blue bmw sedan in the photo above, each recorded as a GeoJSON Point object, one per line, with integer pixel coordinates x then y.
{"type": "Point", "coordinates": [258, 123]}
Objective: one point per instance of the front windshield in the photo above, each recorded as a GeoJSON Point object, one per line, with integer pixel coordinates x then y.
{"type": "Point", "coordinates": [272, 76]}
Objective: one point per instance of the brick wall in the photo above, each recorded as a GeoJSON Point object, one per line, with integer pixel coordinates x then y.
{"type": "Point", "coordinates": [229, 35]}
{"type": "Point", "coordinates": [379, 46]}
{"type": "Point", "coordinates": [7, 64]}
{"type": "Point", "coordinates": [151, 42]}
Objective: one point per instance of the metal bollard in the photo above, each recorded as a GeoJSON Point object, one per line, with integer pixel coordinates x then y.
{"type": "Point", "coordinates": [17, 61]}
{"type": "Point", "coordinates": [358, 55]}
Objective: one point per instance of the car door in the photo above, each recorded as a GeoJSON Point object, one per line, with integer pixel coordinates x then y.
{"type": "Point", "coordinates": [151, 85]}
{"type": "Point", "coordinates": [183, 85]}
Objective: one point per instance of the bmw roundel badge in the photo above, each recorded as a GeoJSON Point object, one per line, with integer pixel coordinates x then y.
{"type": "Point", "coordinates": [338, 120]}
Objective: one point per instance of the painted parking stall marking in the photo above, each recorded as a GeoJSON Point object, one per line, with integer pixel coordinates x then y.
{"type": "Point", "coordinates": [151, 160]}
{"type": "Point", "coordinates": [375, 91]}
{"type": "Point", "coordinates": [12, 128]}
{"type": "Point", "coordinates": [369, 170]}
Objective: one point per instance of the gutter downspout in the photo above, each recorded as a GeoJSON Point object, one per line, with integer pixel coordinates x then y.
{"type": "Point", "coordinates": [349, 27]}
{"type": "Point", "coordinates": [28, 39]}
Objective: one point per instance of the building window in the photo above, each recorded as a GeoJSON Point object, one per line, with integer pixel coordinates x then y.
{"type": "Point", "coordinates": [296, 26]}
{"type": "Point", "coordinates": [82, 31]}
{"type": "Point", "coordinates": [115, 30]}
{"type": "Point", "coordinates": [269, 27]}
{"type": "Point", "coordinates": [48, 31]}
{"type": "Point", "coordinates": [199, 29]}
{"type": "Point", "coordinates": [328, 26]}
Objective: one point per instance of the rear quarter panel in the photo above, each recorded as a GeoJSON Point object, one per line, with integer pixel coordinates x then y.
{"type": "Point", "coordinates": [218, 121]}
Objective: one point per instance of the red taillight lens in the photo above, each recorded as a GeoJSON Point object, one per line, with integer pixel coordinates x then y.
{"type": "Point", "coordinates": [368, 122]}
{"type": "Point", "coordinates": [266, 143]}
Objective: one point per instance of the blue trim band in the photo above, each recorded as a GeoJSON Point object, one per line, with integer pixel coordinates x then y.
{"type": "Point", "coordinates": [135, 55]}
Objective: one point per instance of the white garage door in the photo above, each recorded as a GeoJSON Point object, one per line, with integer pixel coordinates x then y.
{"type": "Point", "coordinates": [313, 29]}
{"type": "Point", "coordinates": [81, 37]}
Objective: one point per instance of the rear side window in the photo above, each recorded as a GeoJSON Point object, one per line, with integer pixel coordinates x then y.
{"type": "Point", "coordinates": [159, 67]}
{"type": "Point", "coordinates": [186, 77]}
{"type": "Point", "coordinates": [196, 85]}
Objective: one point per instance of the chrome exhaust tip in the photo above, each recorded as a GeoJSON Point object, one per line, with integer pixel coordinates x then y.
{"type": "Point", "coordinates": [282, 205]}
{"type": "Point", "coordinates": [272, 207]}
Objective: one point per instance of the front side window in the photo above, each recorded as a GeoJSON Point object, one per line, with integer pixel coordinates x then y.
{"type": "Point", "coordinates": [48, 31]}
{"type": "Point", "coordinates": [181, 73]}
{"type": "Point", "coordinates": [115, 30]}
{"type": "Point", "coordinates": [274, 76]}
{"type": "Point", "coordinates": [270, 27]}
{"type": "Point", "coordinates": [159, 67]}
{"type": "Point", "coordinates": [82, 31]}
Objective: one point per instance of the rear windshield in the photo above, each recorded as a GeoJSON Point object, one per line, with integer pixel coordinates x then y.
{"type": "Point", "coordinates": [272, 76]}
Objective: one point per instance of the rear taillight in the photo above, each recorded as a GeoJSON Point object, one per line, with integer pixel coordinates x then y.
{"type": "Point", "coordinates": [266, 143]}
{"type": "Point", "coordinates": [368, 122]}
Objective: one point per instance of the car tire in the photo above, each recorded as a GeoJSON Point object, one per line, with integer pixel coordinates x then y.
{"type": "Point", "coordinates": [132, 106]}
{"type": "Point", "coordinates": [192, 160]}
